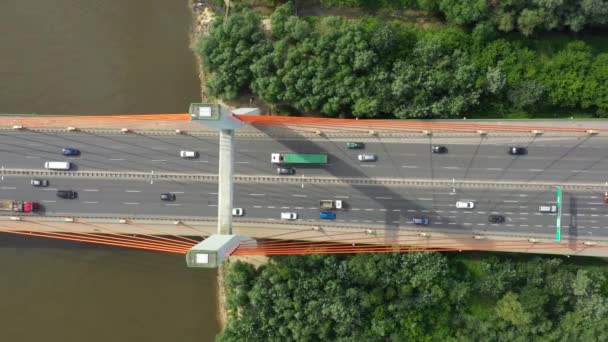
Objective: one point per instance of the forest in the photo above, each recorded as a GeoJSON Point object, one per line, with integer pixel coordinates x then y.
{"type": "Point", "coordinates": [373, 68]}
{"type": "Point", "coordinates": [417, 297]}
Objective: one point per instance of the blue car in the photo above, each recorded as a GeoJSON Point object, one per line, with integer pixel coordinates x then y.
{"type": "Point", "coordinates": [70, 152]}
{"type": "Point", "coordinates": [327, 215]}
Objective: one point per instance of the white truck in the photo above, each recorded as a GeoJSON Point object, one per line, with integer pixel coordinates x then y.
{"type": "Point", "coordinates": [331, 204]}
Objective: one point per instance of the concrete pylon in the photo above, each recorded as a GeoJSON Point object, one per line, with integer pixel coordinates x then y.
{"type": "Point", "coordinates": [225, 182]}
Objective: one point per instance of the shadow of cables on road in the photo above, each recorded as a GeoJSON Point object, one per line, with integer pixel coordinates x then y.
{"type": "Point", "coordinates": [298, 143]}
{"type": "Point", "coordinates": [572, 224]}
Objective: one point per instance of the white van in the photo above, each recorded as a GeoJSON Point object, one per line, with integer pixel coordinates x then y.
{"type": "Point", "coordinates": [57, 165]}
{"type": "Point", "coordinates": [289, 216]}
{"type": "Point", "coordinates": [188, 154]}
{"type": "Point", "coordinates": [547, 208]}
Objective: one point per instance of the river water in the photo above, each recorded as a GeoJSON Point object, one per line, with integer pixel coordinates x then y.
{"type": "Point", "coordinates": [110, 56]}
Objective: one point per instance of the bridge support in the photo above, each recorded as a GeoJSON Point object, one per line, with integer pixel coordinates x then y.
{"type": "Point", "coordinates": [225, 182]}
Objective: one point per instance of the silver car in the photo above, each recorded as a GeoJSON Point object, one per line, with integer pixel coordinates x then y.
{"type": "Point", "coordinates": [366, 157]}
{"type": "Point", "coordinates": [39, 182]}
{"type": "Point", "coordinates": [465, 205]}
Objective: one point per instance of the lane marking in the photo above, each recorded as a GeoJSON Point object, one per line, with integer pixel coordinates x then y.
{"type": "Point", "coordinates": [200, 161]}
{"type": "Point", "coordinates": [8, 188]}
{"type": "Point", "coordinates": [409, 167]}
{"type": "Point", "coordinates": [45, 201]}
{"type": "Point", "coordinates": [451, 222]}
{"type": "Point", "coordinates": [535, 170]}
{"type": "Point", "coordinates": [213, 193]}
{"type": "Point", "coordinates": [411, 211]}
{"type": "Point", "coordinates": [367, 165]}
{"type": "Point", "coordinates": [173, 204]}
{"type": "Point", "coordinates": [91, 202]}
{"type": "Point", "coordinates": [242, 162]}
{"type": "Point", "coordinates": [177, 192]}
{"type": "Point", "coordinates": [130, 203]}
{"type": "Point", "coordinates": [284, 207]}
{"type": "Point", "coordinates": [451, 167]}
{"type": "Point", "coordinates": [313, 208]}
{"type": "Point", "coordinates": [49, 189]}
{"type": "Point", "coordinates": [132, 191]}
{"type": "Point", "coordinates": [341, 197]}
{"type": "Point", "coordinates": [117, 159]}
{"type": "Point", "coordinates": [259, 206]}
{"type": "Point", "coordinates": [299, 195]}
{"type": "Point", "coordinates": [396, 209]}
{"type": "Point", "coordinates": [32, 157]}
{"type": "Point", "coordinates": [270, 207]}
{"type": "Point", "coordinates": [297, 207]}
{"type": "Point", "coordinates": [523, 225]}
{"type": "Point", "coordinates": [595, 203]}
{"type": "Point", "coordinates": [382, 209]}
{"type": "Point", "coordinates": [90, 190]}
{"type": "Point", "coordinates": [508, 201]}
{"type": "Point", "coordinates": [369, 209]}
{"type": "Point", "coordinates": [158, 160]}
{"type": "Point", "coordinates": [256, 194]}
{"type": "Point", "coordinates": [493, 169]}
{"type": "Point", "coordinates": [212, 205]}
{"type": "Point", "coordinates": [384, 198]}
{"type": "Point", "coordinates": [424, 199]}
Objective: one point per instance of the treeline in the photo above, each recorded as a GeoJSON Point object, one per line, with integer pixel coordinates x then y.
{"type": "Point", "coordinates": [415, 297]}
{"type": "Point", "coordinates": [525, 16]}
{"type": "Point", "coordinates": [371, 68]}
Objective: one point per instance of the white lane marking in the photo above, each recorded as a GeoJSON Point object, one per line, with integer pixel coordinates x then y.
{"type": "Point", "coordinates": [158, 160]}
{"type": "Point", "coordinates": [523, 225]}
{"type": "Point", "coordinates": [481, 212]}
{"type": "Point", "coordinates": [600, 203]}
{"type": "Point", "coordinates": [594, 215]}
{"type": "Point", "coordinates": [595, 227]}
{"type": "Point", "coordinates": [382, 209]}
{"type": "Point", "coordinates": [313, 208]}
{"type": "Point", "coordinates": [256, 194]}
{"type": "Point", "coordinates": [284, 207]}
{"type": "Point", "coordinates": [177, 192]}
{"type": "Point", "coordinates": [8, 188]}
{"type": "Point", "coordinates": [271, 207]}
{"type": "Point", "coordinates": [212, 205]}
{"type": "Point", "coordinates": [45, 201]}
{"type": "Point", "coordinates": [33, 144]}
{"type": "Point", "coordinates": [425, 211]}
{"type": "Point", "coordinates": [172, 204]}
{"type": "Point", "coordinates": [424, 199]}
{"type": "Point", "coordinates": [451, 167]}
{"type": "Point", "coordinates": [493, 169]}
{"type": "Point", "coordinates": [395, 221]}
{"type": "Point", "coordinates": [367, 165]}
{"type": "Point", "coordinates": [49, 189]}
{"type": "Point", "coordinates": [116, 159]}
{"type": "Point", "coordinates": [341, 196]}
{"type": "Point", "coordinates": [242, 162]}
{"type": "Point", "coordinates": [90, 190]}
{"type": "Point", "coordinates": [132, 191]}
{"type": "Point", "coordinates": [380, 221]}
{"type": "Point", "coordinates": [369, 209]}
{"type": "Point", "coordinates": [523, 213]}
{"type": "Point", "coordinates": [355, 209]}
{"type": "Point", "coordinates": [506, 201]}
{"type": "Point", "coordinates": [396, 209]}
{"type": "Point", "coordinates": [130, 203]}
{"type": "Point", "coordinates": [451, 222]}
{"type": "Point", "coordinates": [91, 202]}
{"type": "Point", "coordinates": [538, 225]}
{"type": "Point", "coordinates": [298, 195]}
{"type": "Point", "coordinates": [32, 157]}
{"type": "Point", "coordinates": [297, 207]}
{"type": "Point", "coordinates": [407, 154]}
{"type": "Point", "coordinates": [481, 224]}
{"type": "Point", "coordinates": [411, 211]}
{"type": "Point", "coordinates": [257, 206]}
{"type": "Point", "coordinates": [354, 220]}
{"type": "Point", "coordinates": [468, 224]}
{"type": "Point", "coordinates": [438, 211]}
{"type": "Point", "coordinates": [535, 170]}
{"type": "Point", "coordinates": [367, 221]}
{"type": "Point", "coordinates": [522, 195]}
{"type": "Point", "coordinates": [201, 161]}
{"type": "Point", "coordinates": [384, 198]}
{"type": "Point", "coordinates": [213, 193]}
{"type": "Point", "coordinates": [159, 148]}
{"type": "Point", "coordinates": [409, 167]}
{"type": "Point", "coordinates": [508, 213]}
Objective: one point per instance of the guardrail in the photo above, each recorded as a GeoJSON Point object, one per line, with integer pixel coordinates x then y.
{"type": "Point", "coordinates": [347, 181]}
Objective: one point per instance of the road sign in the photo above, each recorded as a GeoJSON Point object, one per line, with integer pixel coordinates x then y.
{"type": "Point", "coordinates": [558, 223]}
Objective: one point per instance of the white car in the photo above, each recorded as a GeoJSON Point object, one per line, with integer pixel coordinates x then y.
{"type": "Point", "coordinates": [289, 216]}
{"type": "Point", "coordinates": [188, 154]}
{"type": "Point", "coordinates": [465, 205]}
{"type": "Point", "coordinates": [237, 212]}
{"type": "Point", "coordinates": [366, 157]}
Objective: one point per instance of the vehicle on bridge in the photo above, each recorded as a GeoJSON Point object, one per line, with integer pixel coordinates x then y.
{"type": "Point", "coordinates": [465, 205]}
{"type": "Point", "coordinates": [238, 212]}
{"type": "Point", "coordinates": [188, 154]}
{"type": "Point", "coordinates": [331, 204]}
{"type": "Point", "coordinates": [517, 150]}
{"type": "Point", "coordinates": [58, 165]}
{"type": "Point", "coordinates": [167, 196]}
{"type": "Point", "coordinates": [67, 194]}
{"type": "Point", "coordinates": [70, 152]}
{"type": "Point", "coordinates": [20, 206]}
{"type": "Point", "coordinates": [40, 182]}
{"type": "Point", "coordinates": [423, 221]}
{"type": "Point", "coordinates": [298, 158]}
{"type": "Point", "coordinates": [439, 149]}
{"type": "Point", "coordinates": [366, 157]}
{"type": "Point", "coordinates": [496, 218]}
{"type": "Point", "coordinates": [286, 170]}
{"type": "Point", "coordinates": [547, 208]}
{"type": "Point", "coordinates": [289, 216]}
{"type": "Point", "coordinates": [606, 197]}
{"type": "Point", "coordinates": [327, 215]}
{"type": "Point", "coordinates": [355, 145]}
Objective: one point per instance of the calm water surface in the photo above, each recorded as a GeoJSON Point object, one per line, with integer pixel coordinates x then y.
{"type": "Point", "coordinates": [112, 56]}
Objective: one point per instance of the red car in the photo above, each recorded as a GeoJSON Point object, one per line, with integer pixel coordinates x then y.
{"type": "Point", "coordinates": [606, 197]}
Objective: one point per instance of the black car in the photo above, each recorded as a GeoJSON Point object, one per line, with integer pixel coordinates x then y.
{"type": "Point", "coordinates": [496, 218]}
{"type": "Point", "coordinates": [439, 149]}
{"type": "Point", "coordinates": [70, 152]}
{"type": "Point", "coordinates": [67, 194]}
{"type": "Point", "coordinates": [286, 170]}
{"type": "Point", "coordinates": [167, 196]}
{"type": "Point", "coordinates": [515, 150]}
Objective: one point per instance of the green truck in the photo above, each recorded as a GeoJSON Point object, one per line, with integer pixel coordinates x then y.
{"type": "Point", "coordinates": [298, 158]}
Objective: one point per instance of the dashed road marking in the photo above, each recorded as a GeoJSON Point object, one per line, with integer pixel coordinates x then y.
{"type": "Point", "coordinates": [297, 195]}
{"type": "Point", "coordinates": [90, 190]}
{"type": "Point", "coordinates": [115, 159]}
{"type": "Point", "coordinates": [158, 160]}
{"type": "Point", "coordinates": [384, 198]}
{"type": "Point", "coordinates": [132, 191]}
{"type": "Point", "coordinates": [409, 166]}
{"type": "Point", "coordinates": [257, 206]}
{"type": "Point", "coordinates": [451, 167]}
{"type": "Point", "coordinates": [8, 188]}
{"type": "Point", "coordinates": [425, 199]}
{"type": "Point", "coordinates": [130, 203]}
{"type": "Point", "coordinates": [45, 201]}
{"type": "Point", "coordinates": [91, 202]}
{"type": "Point", "coordinates": [256, 194]}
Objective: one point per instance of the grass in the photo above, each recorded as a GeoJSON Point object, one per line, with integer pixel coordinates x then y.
{"type": "Point", "coordinates": [543, 114]}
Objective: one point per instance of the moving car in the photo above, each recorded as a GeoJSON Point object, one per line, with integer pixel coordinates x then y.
{"type": "Point", "coordinates": [465, 205]}
{"type": "Point", "coordinates": [327, 215]}
{"type": "Point", "coordinates": [70, 152]}
{"type": "Point", "coordinates": [237, 212]}
{"type": "Point", "coordinates": [286, 170]}
{"type": "Point", "coordinates": [289, 216]}
{"type": "Point", "coordinates": [167, 196]}
{"type": "Point", "coordinates": [421, 221]}
{"type": "Point", "coordinates": [39, 182]}
{"type": "Point", "coordinates": [57, 165]}
{"type": "Point", "coordinates": [606, 197]}
{"type": "Point", "coordinates": [439, 149]}
{"type": "Point", "coordinates": [67, 194]}
{"type": "Point", "coordinates": [188, 154]}
{"type": "Point", "coordinates": [355, 145]}
{"type": "Point", "coordinates": [496, 218]}
{"type": "Point", "coordinates": [517, 150]}
{"type": "Point", "coordinates": [367, 157]}
{"type": "Point", "coordinates": [547, 208]}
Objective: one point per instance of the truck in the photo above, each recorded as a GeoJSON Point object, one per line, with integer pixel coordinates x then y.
{"type": "Point", "coordinates": [298, 158]}
{"type": "Point", "coordinates": [20, 206]}
{"type": "Point", "coordinates": [331, 204]}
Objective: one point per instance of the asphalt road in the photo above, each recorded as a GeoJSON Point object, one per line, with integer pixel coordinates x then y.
{"type": "Point", "coordinates": [556, 159]}
{"type": "Point", "coordinates": [584, 213]}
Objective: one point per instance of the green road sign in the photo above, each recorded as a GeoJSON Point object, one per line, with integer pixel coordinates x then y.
{"type": "Point", "coordinates": [558, 223]}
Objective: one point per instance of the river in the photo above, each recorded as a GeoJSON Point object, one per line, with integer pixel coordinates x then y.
{"type": "Point", "coordinates": [111, 56]}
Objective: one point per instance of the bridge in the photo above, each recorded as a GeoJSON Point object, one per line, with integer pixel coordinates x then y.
{"type": "Point", "coordinates": [127, 161]}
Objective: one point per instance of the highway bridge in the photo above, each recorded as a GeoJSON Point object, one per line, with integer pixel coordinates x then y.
{"type": "Point", "coordinates": [126, 162]}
